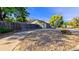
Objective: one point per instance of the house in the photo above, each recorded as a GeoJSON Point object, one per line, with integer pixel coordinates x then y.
{"type": "Point", "coordinates": [43, 24]}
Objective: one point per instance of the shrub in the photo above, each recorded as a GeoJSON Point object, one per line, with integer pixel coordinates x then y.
{"type": "Point", "coordinates": [5, 30]}
{"type": "Point", "coordinates": [66, 32]}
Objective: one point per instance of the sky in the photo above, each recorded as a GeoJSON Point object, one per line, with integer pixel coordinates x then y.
{"type": "Point", "coordinates": [45, 13]}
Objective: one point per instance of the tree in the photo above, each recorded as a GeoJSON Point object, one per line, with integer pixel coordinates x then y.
{"type": "Point", "coordinates": [74, 22]}
{"type": "Point", "coordinates": [65, 24]}
{"type": "Point", "coordinates": [6, 11]}
{"type": "Point", "coordinates": [16, 11]}
{"type": "Point", "coordinates": [22, 14]}
{"type": "Point", "coordinates": [56, 21]}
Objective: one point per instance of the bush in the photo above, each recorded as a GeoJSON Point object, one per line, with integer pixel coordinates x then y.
{"type": "Point", "coordinates": [66, 32]}
{"type": "Point", "coordinates": [5, 30]}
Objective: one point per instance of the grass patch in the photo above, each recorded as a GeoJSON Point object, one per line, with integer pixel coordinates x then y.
{"type": "Point", "coordinates": [5, 30]}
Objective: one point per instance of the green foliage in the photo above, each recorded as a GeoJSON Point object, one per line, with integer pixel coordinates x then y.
{"type": "Point", "coordinates": [66, 24]}
{"type": "Point", "coordinates": [56, 19]}
{"type": "Point", "coordinates": [22, 14]}
{"type": "Point", "coordinates": [16, 11]}
{"type": "Point", "coordinates": [5, 30]}
{"type": "Point", "coordinates": [20, 19]}
{"type": "Point", "coordinates": [6, 11]}
{"type": "Point", "coordinates": [74, 23]}
{"type": "Point", "coordinates": [10, 20]}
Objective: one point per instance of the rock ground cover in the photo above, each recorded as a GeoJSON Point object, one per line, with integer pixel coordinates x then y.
{"type": "Point", "coordinates": [48, 40]}
{"type": "Point", "coordinates": [40, 40]}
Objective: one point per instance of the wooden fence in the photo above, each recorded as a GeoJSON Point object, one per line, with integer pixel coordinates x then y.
{"type": "Point", "coordinates": [19, 26]}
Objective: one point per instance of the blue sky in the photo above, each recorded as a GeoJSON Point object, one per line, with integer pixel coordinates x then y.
{"type": "Point", "coordinates": [44, 13]}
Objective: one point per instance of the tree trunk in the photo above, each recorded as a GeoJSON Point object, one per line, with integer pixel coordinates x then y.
{"type": "Point", "coordinates": [1, 15]}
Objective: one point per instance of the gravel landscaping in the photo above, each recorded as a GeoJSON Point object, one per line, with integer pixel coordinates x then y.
{"type": "Point", "coordinates": [48, 40]}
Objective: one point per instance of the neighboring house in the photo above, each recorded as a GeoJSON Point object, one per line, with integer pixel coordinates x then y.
{"type": "Point", "coordinates": [45, 25]}
{"type": "Point", "coordinates": [42, 24]}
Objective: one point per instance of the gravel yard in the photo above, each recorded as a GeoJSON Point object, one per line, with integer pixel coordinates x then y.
{"type": "Point", "coordinates": [48, 40]}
